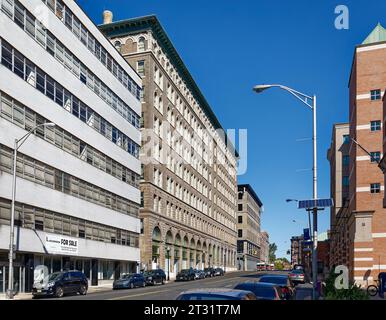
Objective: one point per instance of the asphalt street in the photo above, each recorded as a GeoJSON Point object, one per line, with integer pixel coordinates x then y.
{"type": "Point", "coordinates": [170, 290]}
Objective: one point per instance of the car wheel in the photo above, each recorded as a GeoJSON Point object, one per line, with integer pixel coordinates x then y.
{"type": "Point", "coordinates": [131, 285]}
{"type": "Point", "coordinates": [153, 283]}
{"type": "Point", "coordinates": [59, 292]}
{"type": "Point", "coordinates": [144, 284]}
{"type": "Point", "coordinates": [83, 290]}
{"type": "Point", "coordinates": [162, 281]}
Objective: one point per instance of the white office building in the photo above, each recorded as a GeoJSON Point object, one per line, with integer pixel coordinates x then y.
{"type": "Point", "coordinates": [77, 186]}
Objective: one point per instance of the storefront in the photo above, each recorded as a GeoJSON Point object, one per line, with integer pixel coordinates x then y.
{"type": "Point", "coordinates": [27, 267]}
{"type": "Point", "coordinates": [39, 254]}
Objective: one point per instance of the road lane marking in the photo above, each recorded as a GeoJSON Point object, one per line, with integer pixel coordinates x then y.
{"type": "Point", "coordinates": [138, 295]}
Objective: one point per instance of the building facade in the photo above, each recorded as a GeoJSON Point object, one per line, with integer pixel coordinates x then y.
{"type": "Point", "coordinates": [189, 186]}
{"type": "Point", "coordinates": [339, 158]}
{"type": "Point", "coordinates": [77, 186]}
{"type": "Point", "coordinates": [366, 221]}
{"type": "Point", "coordinates": [264, 247]}
{"type": "Point", "coordinates": [296, 250]}
{"type": "Point", "coordinates": [248, 228]}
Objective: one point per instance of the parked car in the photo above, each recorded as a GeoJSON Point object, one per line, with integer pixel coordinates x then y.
{"type": "Point", "coordinates": [199, 274]}
{"type": "Point", "coordinates": [60, 283]}
{"type": "Point", "coordinates": [185, 275]}
{"type": "Point", "coordinates": [153, 277]}
{"type": "Point", "coordinates": [304, 292]}
{"type": "Point", "coordinates": [219, 272]}
{"type": "Point", "coordinates": [282, 280]}
{"type": "Point", "coordinates": [209, 272]}
{"type": "Point", "coordinates": [129, 281]}
{"type": "Point", "coordinates": [297, 276]}
{"type": "Point", "coordinates": [299, 267]}
{"type": "Point", "coordinates": [216, 294]}
{"type": "Point", "coordinates": [262, 290]}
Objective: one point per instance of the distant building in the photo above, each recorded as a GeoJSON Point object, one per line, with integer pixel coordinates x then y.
{"type": "Point", "coordinates": [323, 254]}
{"type": "Point", "coordinates": [264, 247]}
{"type": "Point", "coordinates": [338, 156]}
{"type": "Point", "coordinates": [296, 250]}
{"type": "Point", "coordinates": [248, 228]}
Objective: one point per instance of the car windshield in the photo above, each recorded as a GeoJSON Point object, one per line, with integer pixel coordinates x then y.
{"type": "Point", "coordinates": [258, 290]}
{"type": "Point", "coordinates": [54, 276]}
{"type": "Point", "coordinates": [185, 271]}
{"type": "Point", "coordinates": [276, 280]}
{"type": "Point", "coordinates": [126, 276]}
{"type": "Point", "coordinates": [148, 273]}
{"type": "Point", "coordinates": [298, 271]}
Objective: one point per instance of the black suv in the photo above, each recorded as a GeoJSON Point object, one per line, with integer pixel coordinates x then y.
{"type": "Point", "coordinates": [186, 275]}
{"type": "Point", "coordinates": [153, 277]}
{"type": "Point", "coordinates": [60, 283]}
{"type": "Point", "coordinates": [209, 272]}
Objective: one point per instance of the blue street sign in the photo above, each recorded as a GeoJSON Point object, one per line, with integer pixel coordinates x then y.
{"type": "Point", "coordinates": [306, 234]}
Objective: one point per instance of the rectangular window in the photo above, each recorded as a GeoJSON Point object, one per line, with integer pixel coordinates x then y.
{"type": "Point", "coordinates": [240, 207]}
{"type": "Point", "coordinates": [40, 33]}
{"type": "Point", "coordinates": [240, 233]}
{"type": "Point", "coordinates": [375, 125]}
{"type": "Point", "coordinates": [40, 81]}
{"type": "Point", "coordinates": [375, 157]}
{"type": "Point", "coordinates": [19, 14]}
{"type": "Point", "coordinates": [6, 55]}
{"type": "Point", "coordinates": [375, 188]}
{"type": "Point", "coordinates": [141, 68]}
{"type": "Point", "coordinates": [30, 24]}
{"type": "Point", "coordinates": [50, 43]}
{"type": "Point", "coordinates": [375, 94]}
{"type": "Point", "coordinates": [240, 219]}
{"type": "Point", "coordinates": [346, 138]}
{"type": "Point", "coordinates": [39, 225]}
{"type": "Point", "coordinates": [18, 64]}
{"type": "Point", "coordinates": [7, 6]}
{"type": "Point", "coordinates": [345, 181]}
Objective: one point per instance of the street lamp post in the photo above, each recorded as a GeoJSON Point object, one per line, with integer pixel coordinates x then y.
{"type": "Point", "coordinates": [311, 103]}
{"type": "Point", "coordinates": [225, 262]}
{"type": "Point", "coordinates": [168, 251]}
{"type": "Point", "coordinates": [17, 144]}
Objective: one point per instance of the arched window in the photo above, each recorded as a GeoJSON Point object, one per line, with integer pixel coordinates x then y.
{"type": "Point", "coordinates": [141, 44]}
{"type": "Point", "coordinates": [118, 45]}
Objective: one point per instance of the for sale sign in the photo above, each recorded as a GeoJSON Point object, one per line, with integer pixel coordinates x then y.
{"type": "Point", "coordinates": [57, 244]}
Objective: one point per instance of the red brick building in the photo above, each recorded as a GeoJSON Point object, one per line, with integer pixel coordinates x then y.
{"type": "Point", "coordinates": [366, 213]}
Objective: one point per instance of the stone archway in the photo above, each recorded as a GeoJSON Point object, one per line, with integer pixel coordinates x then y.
{"type": "Point", "coordinates": [177, 253]}
{"type": "Point", "coordinates": [156, 248]}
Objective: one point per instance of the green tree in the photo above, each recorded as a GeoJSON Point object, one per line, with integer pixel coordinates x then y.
{"type": "Point", "coordinates": [272, 252]}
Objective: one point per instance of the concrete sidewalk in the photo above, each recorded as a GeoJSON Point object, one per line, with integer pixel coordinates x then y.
{"type": "Point", "coordinates": [28, 296]}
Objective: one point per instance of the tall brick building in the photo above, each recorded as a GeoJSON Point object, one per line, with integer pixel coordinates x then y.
{"type": "Point", "coordinates": [189, 186]}
{"type": "Point", "coordinates": [366, 218]}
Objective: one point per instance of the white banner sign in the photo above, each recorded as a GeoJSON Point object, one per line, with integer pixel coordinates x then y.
{"type": "Point", "coordinates": [57, 244]}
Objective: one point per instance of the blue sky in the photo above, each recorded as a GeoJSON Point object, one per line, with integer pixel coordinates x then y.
{"type": "Point", "coordinates": [229, 46]}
